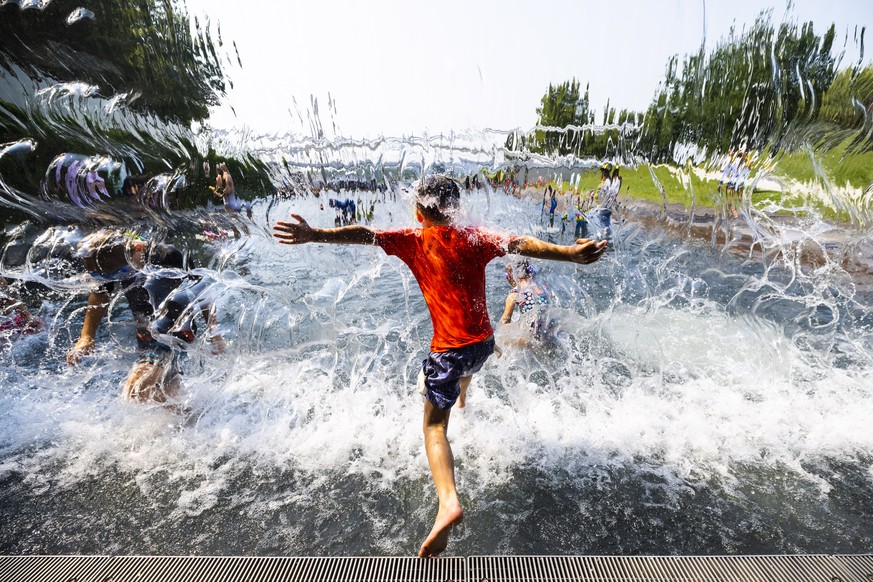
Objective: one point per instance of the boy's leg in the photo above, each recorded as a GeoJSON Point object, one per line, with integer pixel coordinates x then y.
{"type": "Point", "coordinates": [442, 468]}
{"type": "Point", "coordinates": [462, 397]}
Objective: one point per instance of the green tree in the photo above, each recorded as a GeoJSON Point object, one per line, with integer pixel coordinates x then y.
{"type": "Point", "coordinates": [750, 91]}
{"type": "Point", "coordinates": [145, 47]}
{"type": "Point", "coordinates": [848, 102]}
{"type": "Point", "coordinates": [561, 106]}
{"type": "Point", "coordinates": [148, 49]}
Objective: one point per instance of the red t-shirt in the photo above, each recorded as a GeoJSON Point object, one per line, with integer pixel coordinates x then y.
{"type": "Point", "coordinates": [449, 264]}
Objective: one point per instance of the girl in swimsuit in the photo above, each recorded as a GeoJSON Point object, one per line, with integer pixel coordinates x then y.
{"type": "Point", "coordinates": [529, 297]}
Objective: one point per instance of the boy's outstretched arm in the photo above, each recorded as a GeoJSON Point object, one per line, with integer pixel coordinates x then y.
{"type": "Point", "coordinates": [583, 251]}
{"type": "Point", "coordinates": [295, 233]}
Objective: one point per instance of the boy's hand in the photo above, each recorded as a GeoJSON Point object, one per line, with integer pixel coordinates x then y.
{"type": "Point", "coordinates": [83, 347]}
{"type": "Point", "coordinates": [586, 251]}
{"type": "Point", "coordinates": [293, 233]}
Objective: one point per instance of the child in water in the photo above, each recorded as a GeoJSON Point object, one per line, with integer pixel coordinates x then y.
{"type": "Point", "coordinates": [448, 261]}
{"type": "Point", "coordinates": [531, 298]}
{"type": "Point", "coordinates": [15, 318]}
{"type": "Point", "coordinates": [157, 301]}
{"type": "Point", "coordinates": [224, 188]}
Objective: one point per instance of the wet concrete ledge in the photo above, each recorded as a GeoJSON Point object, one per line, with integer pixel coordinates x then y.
{"type": "Point", "coordinates": [788, 568]}
{"type": "Point", "coordinates": [810, 244]}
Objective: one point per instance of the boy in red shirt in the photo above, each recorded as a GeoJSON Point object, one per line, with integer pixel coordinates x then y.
{"type": "Point", "coordinates": [448, 262]}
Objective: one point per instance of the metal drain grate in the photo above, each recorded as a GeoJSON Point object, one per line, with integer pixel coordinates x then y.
{"type": "Point", "coordinates": [225, 569]}
{"type": "Point", "coordinates": [38, 568]}
{"type": "Point", "coordinates": [859, 566]}
{"type": "Point", "coordinates": [842, 568]}
{"type": "Point", "coordinates": [668, 569]}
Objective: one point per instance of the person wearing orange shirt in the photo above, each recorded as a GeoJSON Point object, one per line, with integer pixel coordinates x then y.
{"type": "Point", "coordinates": [448, 262]}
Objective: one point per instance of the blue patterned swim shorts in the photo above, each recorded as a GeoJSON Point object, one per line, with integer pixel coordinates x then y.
{"type": "Point", "coordinates": [444, 370]}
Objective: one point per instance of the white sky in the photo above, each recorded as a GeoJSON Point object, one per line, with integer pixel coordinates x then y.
{"type": "Point", "coordinates": [400, 67]}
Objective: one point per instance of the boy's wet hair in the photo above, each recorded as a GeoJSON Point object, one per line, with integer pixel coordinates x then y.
{"type": "Point", "coordinates": [103, 251]}
{"type": "Point", "coordinates": [438, 197]}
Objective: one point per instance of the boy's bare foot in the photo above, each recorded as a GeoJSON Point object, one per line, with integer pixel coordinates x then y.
{"type": "Point", "coordinates": [448, 517]}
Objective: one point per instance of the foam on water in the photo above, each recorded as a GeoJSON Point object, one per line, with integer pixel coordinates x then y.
{"type": "Point", "coordinates": [695, 398]}
{"type": "Point", "coordinates": [679, 376]}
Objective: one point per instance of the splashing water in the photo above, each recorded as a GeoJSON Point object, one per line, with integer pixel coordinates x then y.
{"type": "Point", "coordinates": [693, 401]}
{"type": "Point", "coordinates": [707, 389]}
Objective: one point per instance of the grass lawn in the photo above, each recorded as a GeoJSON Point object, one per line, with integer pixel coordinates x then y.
{"type": "Point", "coordinates": [638, 183]}
{"type": "Point", "coordinates": [839, 168]}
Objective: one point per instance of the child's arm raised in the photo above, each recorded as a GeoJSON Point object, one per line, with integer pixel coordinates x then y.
{"type": "Point", "coordinates": [583, 251]}
{"type": "Point", "coordinates": [295, 233]}
{"type": "Point", "coordinates": [509, 307]}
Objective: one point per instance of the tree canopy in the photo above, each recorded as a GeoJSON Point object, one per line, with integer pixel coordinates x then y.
{"type": "Point", "coordinates": [144, 47]}
{"type": "Point", "coordinates": [762, 88]}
